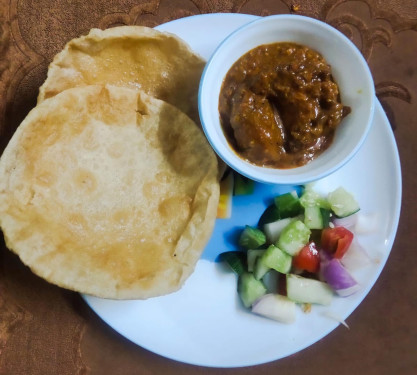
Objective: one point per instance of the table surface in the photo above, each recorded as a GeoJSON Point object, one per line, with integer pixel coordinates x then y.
{"type": "Point", "coordinates": [47, 330]}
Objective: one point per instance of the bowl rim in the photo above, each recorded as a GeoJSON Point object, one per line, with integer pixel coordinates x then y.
{"type": "Point", "coordinates": [257, 173]}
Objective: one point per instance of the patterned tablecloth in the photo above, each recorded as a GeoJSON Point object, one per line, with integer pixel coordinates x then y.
{"type": "Point", "coordinates": [47, 330]}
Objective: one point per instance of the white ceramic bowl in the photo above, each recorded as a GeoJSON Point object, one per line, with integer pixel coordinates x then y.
{"type": "Point", "coordinates": [349, 70]}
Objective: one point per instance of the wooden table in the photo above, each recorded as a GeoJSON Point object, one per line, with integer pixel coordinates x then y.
{"type": "Point", "coordinates": [47, 330]}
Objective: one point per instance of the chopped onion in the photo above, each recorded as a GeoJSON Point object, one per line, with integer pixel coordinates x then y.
{"type": "Point", "coordinates": [356, 257]}
{"type": "Point", "coordinates": [366, 223]}
{"type": "Point", "coordinates": [325, 258]}
{"type": "Point", "coordinates": [339, 278]}
{"type": "Point", "coordinates": [275, 306]}
{"type": "Point", "coordinates": [348, 291]}
{"type": "Point", "coordinates": [349, 222]}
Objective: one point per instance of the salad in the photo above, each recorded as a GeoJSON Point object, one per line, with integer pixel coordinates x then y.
{"type": "Point", "coordinates": [302, 252]}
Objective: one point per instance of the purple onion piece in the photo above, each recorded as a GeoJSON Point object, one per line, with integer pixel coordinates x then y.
{"type": "Point", "coordinates": [338, 278]}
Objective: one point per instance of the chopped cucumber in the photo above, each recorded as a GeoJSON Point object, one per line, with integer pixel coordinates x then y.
{"type": "Point", "coordinates": [342, 202]}
{"type": "Point", "coordinates": [260, 269]}
{"type": "Point", "coordinates": [294, 237]}
{"type": "Point", "coordinates": [313, 217]}
{"type": "Point", "coordinates": [273, 230]}
{"type": "Point", "coordinates": [288, 205]}
{"type": "Point", "coordinates": [303, 290]}
{"type": "Point", "coordinates": [311, 198]}
{"type": "Point", "coordinates": [252, 256]}
{"type": "Point", "coordinates": [250, 289]}
{"type": "Point", "coordinates": [285, 205]}
{"type": "Point", "coordinates": [277, 259]}
{"type": "Point", "coordinates": [275, 306]}
{"type": "Point", "coordinates": [252, 238]}
{"type": "Point", "coordinates": [235, 259]}
{"type": "Point", "coordinates": [270, 215]}
{"type": "Point", "coordinates": [325, 215]}
{"type": "Point", "coordinates": [286, 227]}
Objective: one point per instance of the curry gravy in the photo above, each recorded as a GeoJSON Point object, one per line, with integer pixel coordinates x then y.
{"type": "Point", "coordinates": [279, 105]}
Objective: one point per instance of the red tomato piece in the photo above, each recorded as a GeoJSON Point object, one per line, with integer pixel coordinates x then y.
{"type": "Point", "coordinates": [336, 241]}
{"type": "Point", "coordinates": [307, 259]}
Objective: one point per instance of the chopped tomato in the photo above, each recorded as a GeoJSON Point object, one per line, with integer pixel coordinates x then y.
{"type": "Point", "coordinates": [336, 241]}
{"type": "Point", "coordinates": [308, 258]}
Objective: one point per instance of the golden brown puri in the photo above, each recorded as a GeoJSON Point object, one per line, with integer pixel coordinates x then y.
{"type": "Point", "coordinates": [159, 63]}
{"type": "Point", "coordinates": [108, 191]}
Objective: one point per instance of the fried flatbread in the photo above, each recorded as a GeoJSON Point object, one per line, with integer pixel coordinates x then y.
{"type": "Point", "coordinates": [159, 63]}
{"type": "Point", "coordinates": [108, 191]}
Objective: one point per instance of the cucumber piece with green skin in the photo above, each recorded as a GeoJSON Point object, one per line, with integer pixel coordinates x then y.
{"type": "Point", "coordinates": [325, 215]}
{"type": "Point", "coordinates": [342, 203]}
{"type": "Point", "coordinates": [288, 205]}
{"type": "Point", "coordinates": [236, 260]}
{"type": "Point", "coordinates": [250, 289]}
{"type": "Point", "coordinates": [252, 256]}
{"type": "Point", "coordinates": [311, 198]}
{"type": "Point", "coordinates": [294, 237]}
{"type": "Point", "coordinates": [285, 205]}
{"type": "Point", "coordinates": [273, 230]}
{"type": "Point", "coordinates": [277, 259]}
{"type": "Point", "coordinates": [251, 238]}
{"type": "Point", "coordinates": [270, 215]}
{"type": "Point", "coordinates": [303, 290]}
{"type": "Point", "coordinates": [260, 269]}
{"type": "Point", "coordinates": [313, 218]}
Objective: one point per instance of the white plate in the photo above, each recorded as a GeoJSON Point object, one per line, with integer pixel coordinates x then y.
{"type": "Point", "coordinates": [203, 323]}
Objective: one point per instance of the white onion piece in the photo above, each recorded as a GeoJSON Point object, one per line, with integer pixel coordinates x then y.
{"type": "Point", "coordinates": [356, 257]}
{"type": "Point", "coordinates": [348, 291]}
{"type": "Point", "coordinates": [275, 306]}
{"type": "Point", "coordinates": [366, 223]}
{"type": "Point", "coordinates": [349, 222]}
{"type": "Point", "coordinates": [339, 278]}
